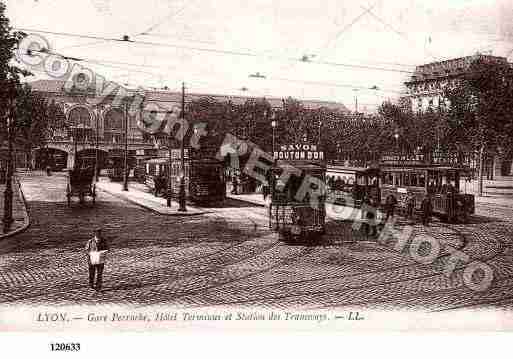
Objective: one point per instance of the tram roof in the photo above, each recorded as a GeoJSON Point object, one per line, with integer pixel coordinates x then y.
{"type": "Point", "coordinates": [303, 165]}
{"type": "Point", "coordinates": [165, 160]}
{"type": "Point", "coordinates": [363, 170]}
{"type": "Point", "coordinates": [398, 168]}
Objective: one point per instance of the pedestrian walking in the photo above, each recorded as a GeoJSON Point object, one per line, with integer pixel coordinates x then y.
{"type": "Point", "coordinates": [235, 185]}
{"type": "Point", "coordinates": [372, 227]}
{"type": "Point", "coordinates": [390, 204]}
{"type": "Point", "coordinates": [265, 191]}
{"type": "Point", "coordinates": [96, 248]}
{"type": "Point", "coordinates": [426, 208]}
{"type": "Point", "coordinates": [369, 217]}
{"type": "Point", "coordinates": [410, 206]}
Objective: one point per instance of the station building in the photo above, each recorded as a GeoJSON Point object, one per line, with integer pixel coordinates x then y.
{"type": "Point", "coordinates": [93, 120]}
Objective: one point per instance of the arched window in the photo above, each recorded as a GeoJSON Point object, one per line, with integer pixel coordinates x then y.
{"type": "Point", "coordinates": [80, 116]}
{"type": "Point", "coordinates": [113, 120]}
{"type": "Point", "coordinates": [113, 125]}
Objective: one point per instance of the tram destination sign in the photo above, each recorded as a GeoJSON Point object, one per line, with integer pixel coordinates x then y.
{"type": "Point", "coordinates": [294, 152]}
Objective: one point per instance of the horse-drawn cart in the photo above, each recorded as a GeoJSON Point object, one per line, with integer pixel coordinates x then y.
{"type": "Point", "coordinates": [80, 184]}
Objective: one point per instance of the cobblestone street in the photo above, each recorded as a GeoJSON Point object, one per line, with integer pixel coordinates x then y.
{"type": "Point", "coordinates": [230, 257]}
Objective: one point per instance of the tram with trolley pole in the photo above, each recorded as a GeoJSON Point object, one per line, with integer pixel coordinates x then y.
{"type": "Point", "coordinates": [116, 164]}
{"type": "Point", "coordinates": [357, 182]}
{"type": "Point", "coordinates": [205, 180]}
{"type": "Point", "coordinates": [298, 193]}
{"type": "Point", "coordinates": [416, 179]}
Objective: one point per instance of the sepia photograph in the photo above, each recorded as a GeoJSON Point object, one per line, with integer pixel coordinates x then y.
{"type": "Point", "coordinates": [276, 165]}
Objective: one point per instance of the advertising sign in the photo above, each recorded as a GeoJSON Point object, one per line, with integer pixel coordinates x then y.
{"type": "Point", "coordinates": [298, 152]}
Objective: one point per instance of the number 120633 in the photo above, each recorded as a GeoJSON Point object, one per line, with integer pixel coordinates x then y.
{"type": "Point", "coordinates": [65, 347]}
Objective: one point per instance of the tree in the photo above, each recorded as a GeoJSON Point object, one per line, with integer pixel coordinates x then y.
{"type": "Point", "coordinates": [9, 89]}
{"type": "Point", "coordinates": [480, 116]}
{"type": "Point", "coordinates": [31, 121]}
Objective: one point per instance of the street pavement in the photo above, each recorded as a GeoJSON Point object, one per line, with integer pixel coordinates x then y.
{"type": "Point", "coordinates": [228, 256]}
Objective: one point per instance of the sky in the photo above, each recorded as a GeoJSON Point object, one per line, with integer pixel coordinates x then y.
{"type": "Point", "coordinates": [381, 40]}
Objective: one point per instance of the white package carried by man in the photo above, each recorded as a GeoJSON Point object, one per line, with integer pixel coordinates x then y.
{"type": "Point", "coordinates": [98, 257]}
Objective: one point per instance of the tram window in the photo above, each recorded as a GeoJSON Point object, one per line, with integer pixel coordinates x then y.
{"type": "Point", "coordinates": [422, 180]}
{"type": "Point", "coordinates": [406, 179]}
{"type": "Point", "coordinates": [413, 180]}
{"type": "Point", "coordinates": [387, 179]}
{"type": "Point", "coordinates": [208, 173]}
{"type": "Point", "coordinates": [397, 180]}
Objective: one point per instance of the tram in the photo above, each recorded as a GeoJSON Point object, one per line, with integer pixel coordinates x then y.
{"type": "Point", "coordinates": [356, 182]}
{"type": "Point", "coordinates": [441, 183]}
{"type": "Point", "coordinates": [293, 212]}
{"type": "Point", "coordinates": [204, 178]}
{"type": "Point", "coordinates": [57, 161]}
{"type": "Point", "coordinates": [116, 165]}
{"type": "Point", "coordinates": [85, 161]}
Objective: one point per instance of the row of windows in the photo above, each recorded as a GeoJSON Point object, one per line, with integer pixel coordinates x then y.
{"type": "Point", "coordinates": [431, 102]}
{"type": "Point", "coordinates": [435, 182]}
{"type": "Point", "coordinates": [113, 119]}
{"type": "Point", "coordinates": [432, 86]}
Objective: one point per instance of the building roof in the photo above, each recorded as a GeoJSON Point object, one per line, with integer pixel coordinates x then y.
{"type": "Point", "coordinates": [163, 97]}
{"type": "Point", "coordinates": [451, 67]}
{"type": "Point", "coordinates": [51, 86]}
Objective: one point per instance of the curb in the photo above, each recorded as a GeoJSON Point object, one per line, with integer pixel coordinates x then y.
{"type": "Point", "coordinates": [26, 218]}
{"type": "Point", "coordinates": [153, 210]}
{"type": "Point", "coordinates": [247, 201]}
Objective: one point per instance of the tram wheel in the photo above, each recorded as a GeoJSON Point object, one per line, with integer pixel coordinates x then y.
{"type": "Point", "coordinates": [463, 217]}
{"type": "Point", "coordinates": [285, 237]}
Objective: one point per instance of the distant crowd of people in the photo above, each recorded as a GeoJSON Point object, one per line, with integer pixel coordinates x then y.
{"type": "Point", "coordinates": [370, 205]}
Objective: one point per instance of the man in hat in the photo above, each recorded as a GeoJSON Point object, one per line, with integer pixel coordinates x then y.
{"type": "Point", "coordinates": [95, 244]}
{"type": "Point", "coordinates": [426, 207]}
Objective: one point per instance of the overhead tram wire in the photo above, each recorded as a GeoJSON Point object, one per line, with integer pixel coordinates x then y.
{"type": "Point", "coordinates": [193, 83]}
{"type": "Point", "coordinates": [338, 34]}
{"type": "Point", "coordinates": [106, 63]}
{"type": "Point", "coordinates": [167, 18]}
{"type": "Point", "coordinates": [219, 51]}
{"type": "Point", "coordinates": [168, 36]}
{"type": "Point", "coordinates": [348, 26]}
{"type": "Point", "coordinates": [195, 77]}
{"type": "Point", "coordinates": [331, 84]}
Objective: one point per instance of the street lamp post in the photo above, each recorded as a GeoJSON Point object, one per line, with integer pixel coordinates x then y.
{"type": "Point", "coordinates": [96, 145]}
{"type": "Point", "coordinates": [355, 100]}
{"type": "Point", "coordinates": [320, 124]}
{"type": "Point", "coordinates": [169, 187]}
{"type": "Point", "coordinates": [125, 160]}
{"type": "Point", "coordinates": [273, 125]}
{"type": "Point", "coordinates": [7, 219]}
{"type": "Point", "coordinates": [182, 199]}
{"type": "Point", "coordinates": [396, 136]}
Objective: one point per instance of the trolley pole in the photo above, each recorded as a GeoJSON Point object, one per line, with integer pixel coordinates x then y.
{"type": "Point", "coordinates": [319, 133]}
{"type": "Point", "coordinates": [125, 167]}
{"type": "Point", "coordinates": [182, 199]}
